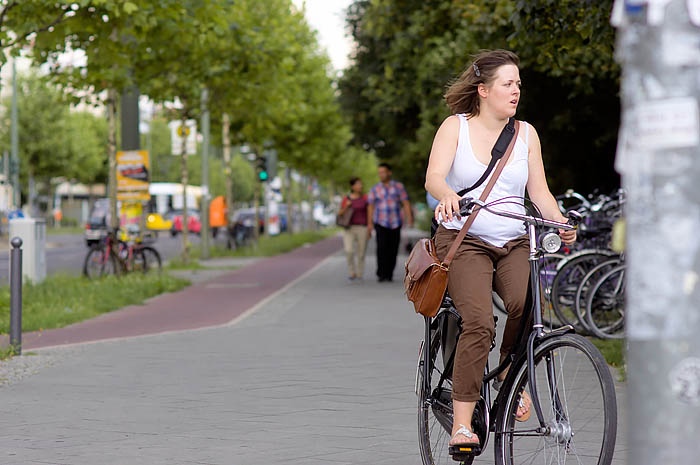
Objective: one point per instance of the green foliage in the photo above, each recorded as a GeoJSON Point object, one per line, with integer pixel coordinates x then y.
{"type": "Point", "coordinates": [53, 141]}
{"type": "Point", "coordinates": [87, 146]}
{"type": "Point", "coordinates": [42, 123]}
{"type": "Point", "coordinates": [61, 300]}
{"type": "Point", "coordinates": [408, 51]}
{"type": "Point", "coordinates": [260, 61]}
{"type": "Point", "coordinates": [614, 351]}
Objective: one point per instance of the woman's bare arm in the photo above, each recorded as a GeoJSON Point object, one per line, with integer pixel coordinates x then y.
{"type": "Point", "coordinates": [442, 156]}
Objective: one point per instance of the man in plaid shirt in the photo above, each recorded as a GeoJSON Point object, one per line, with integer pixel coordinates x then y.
{"type": "Point", "coordinates": [386, 200]}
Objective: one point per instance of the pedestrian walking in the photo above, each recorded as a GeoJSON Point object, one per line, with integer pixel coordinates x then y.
{"type": "Point", "coordinates": [482, 100]}
{"type": "Point", "coordinates": [387, 200]}
{"type": "Point", "coordinates": [355, 235]}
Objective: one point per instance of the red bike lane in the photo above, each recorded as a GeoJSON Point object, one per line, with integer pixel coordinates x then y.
{"type": "Point", "coordinates": [211, 303]}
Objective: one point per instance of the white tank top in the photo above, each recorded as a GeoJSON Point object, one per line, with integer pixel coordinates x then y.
{"type": "Point", "coordinates": [466, 170]}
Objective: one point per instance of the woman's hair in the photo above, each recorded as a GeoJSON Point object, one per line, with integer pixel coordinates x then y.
{"type": "Point", "coordinates": [353, 180]}
{"type": "Point", "coordinates": [462, 94]}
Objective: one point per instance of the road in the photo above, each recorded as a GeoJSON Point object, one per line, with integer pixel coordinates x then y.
{"type": "Point", "coordinates": [66, 252]}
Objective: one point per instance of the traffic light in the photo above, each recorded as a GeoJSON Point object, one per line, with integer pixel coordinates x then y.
{"type": "Point", "coordinates": [261, 168]}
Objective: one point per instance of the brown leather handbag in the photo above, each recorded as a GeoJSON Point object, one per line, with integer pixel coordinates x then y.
{"type": "Point", "coordinates": [425, 281]}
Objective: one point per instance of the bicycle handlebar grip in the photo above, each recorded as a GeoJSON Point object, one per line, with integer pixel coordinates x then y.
{"type": "Point", "coordinates": [575, 218]}
{"type": "Point", "coordinates": [464, 205]}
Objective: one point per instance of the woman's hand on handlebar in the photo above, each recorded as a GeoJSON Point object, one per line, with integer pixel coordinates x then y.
{"type": "Point", "coordinates": [567, 237]}
{"type": "Point", "coordinates": [448, 207]}
{"type": "Point", "coordinates": [574, 218]}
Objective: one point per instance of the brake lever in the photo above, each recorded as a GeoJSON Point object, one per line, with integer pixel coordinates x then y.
{"type": "Point", "coordinates": [575, 218]}
{"type": "Point", "coordinates": [467, 204]}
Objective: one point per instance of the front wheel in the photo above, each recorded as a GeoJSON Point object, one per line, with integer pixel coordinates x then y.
{"type": "Point", "coordinates": [577, 396]}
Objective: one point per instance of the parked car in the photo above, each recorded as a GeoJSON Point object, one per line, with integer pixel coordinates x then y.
{"type": "Point", "coordinates": [97, 224]}
{"type": "Point", "coordinates": [194, 225]}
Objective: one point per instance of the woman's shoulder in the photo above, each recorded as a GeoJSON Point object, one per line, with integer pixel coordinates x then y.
{"type": "Point", "coordinates": [528, 126]}
{"type": "Point", "coordinates": [449, 127]}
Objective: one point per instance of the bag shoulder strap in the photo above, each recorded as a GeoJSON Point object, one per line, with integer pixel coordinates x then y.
{"type": "Point", "coordinates": [497, 152]}
{"type": "Point", "coordinates": [467, 224]}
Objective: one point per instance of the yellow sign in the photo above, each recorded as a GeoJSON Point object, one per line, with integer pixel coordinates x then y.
{"type": "Point", "coordinates": [133, 176]}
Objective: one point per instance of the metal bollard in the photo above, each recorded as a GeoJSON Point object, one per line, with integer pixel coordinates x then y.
{"type": "Point", "coordinates": [16, 295]}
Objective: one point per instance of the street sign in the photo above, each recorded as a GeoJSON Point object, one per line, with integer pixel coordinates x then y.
{"type": "Point", "coordinates": [133, 175]}
{"type": "Point", "coordinates": [188, 132]}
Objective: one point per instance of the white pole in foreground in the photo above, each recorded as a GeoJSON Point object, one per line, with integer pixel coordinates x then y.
{"type": "Point", "coordinates": [659, 160]}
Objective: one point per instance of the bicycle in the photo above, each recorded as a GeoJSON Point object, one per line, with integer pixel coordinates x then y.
{"type": "Point", "coordinates": [559, 430]}
{"type": "Point", "coordinates": [115, 256]}
{"type": "Point", "coordinates": [605, 304]}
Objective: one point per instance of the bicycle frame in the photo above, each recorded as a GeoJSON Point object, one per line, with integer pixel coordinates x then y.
{"type": "Point", "coordinates": [536, 334]}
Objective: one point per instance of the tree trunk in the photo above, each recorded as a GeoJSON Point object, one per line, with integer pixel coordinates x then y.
{"type": "Point", "coordinates": [31, 189]}
{"type": "Point", "coordinates": [226, 144]}
{"type": "Point", "coordinates": [184, 173]}
{"type": "Point", "coordinates": [112, 156]}
{"type": "Point", "coordinates": [290, 203]}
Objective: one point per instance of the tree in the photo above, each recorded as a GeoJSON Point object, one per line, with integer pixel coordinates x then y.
{"type": "Point", "coordinates": [54, 141]}
{"type": "Point", "coordinates": [408, 51]}
{"type": "Point", "coordinates": [113, 35]}
{"type": "Point", "coordinates": [43, 139]}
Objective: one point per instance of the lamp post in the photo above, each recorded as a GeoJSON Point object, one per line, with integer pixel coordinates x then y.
{"type": "Point", "coordinates": [659, 160]}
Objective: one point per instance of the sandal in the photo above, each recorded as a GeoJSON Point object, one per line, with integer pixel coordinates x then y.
{"type": "Point", "coordinates": [465, 448]}
{"type": "Point", "coordinates": [524, 403]}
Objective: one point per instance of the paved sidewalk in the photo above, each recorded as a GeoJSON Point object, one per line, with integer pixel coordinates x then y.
{"type": "Point", "coordinates": [321, 374]}
{"type": "Point", "coordinates": [216, 300]}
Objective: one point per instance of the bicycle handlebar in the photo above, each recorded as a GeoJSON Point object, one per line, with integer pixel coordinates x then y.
{"type": "Point", "coordinates": [467, 205]}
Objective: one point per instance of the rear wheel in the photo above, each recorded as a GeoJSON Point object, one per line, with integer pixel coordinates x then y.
{"type": "Point", "coordinates": [577, 396]}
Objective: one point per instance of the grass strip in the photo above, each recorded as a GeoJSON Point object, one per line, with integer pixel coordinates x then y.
{"type": "Point", "coordinates": [266, 246]}
{"type": "Point", "coordinates": [61, 300]}
{"type": "Point", "coordinates": [614, 352]}
{"type": "Point", "coordinates": [275, 245]}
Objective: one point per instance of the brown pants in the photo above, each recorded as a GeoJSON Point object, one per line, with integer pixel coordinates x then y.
{"type": "Point", "coordinates": [470, 283]}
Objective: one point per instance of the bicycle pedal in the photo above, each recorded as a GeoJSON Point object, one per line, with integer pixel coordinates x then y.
{"type": "Point", "coordinates": [462, 452]}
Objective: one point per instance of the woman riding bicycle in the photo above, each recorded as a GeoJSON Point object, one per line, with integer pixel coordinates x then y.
{"type": "Point", "coordinates": [495, 251]}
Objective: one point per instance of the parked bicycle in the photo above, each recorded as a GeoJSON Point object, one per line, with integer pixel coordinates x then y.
{"type": "Point", "coordinates": [572, 391]}
{"type": "Point", "coordinates": [118, 256]}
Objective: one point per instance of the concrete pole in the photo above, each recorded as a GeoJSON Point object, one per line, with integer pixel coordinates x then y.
{"type": "Point", "coordinates": [129, 102]}
{"type": "Point", "coordinates": [204, 202]}
{"type": "Point", "coordinates": [659, 160]}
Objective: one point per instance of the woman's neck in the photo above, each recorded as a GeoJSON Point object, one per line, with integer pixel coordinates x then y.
{"type": "Point", "coordinates": [490, 122]}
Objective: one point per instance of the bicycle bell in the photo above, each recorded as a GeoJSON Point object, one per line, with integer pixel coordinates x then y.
{"type": "Point", "coordinates": [550, 242]}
